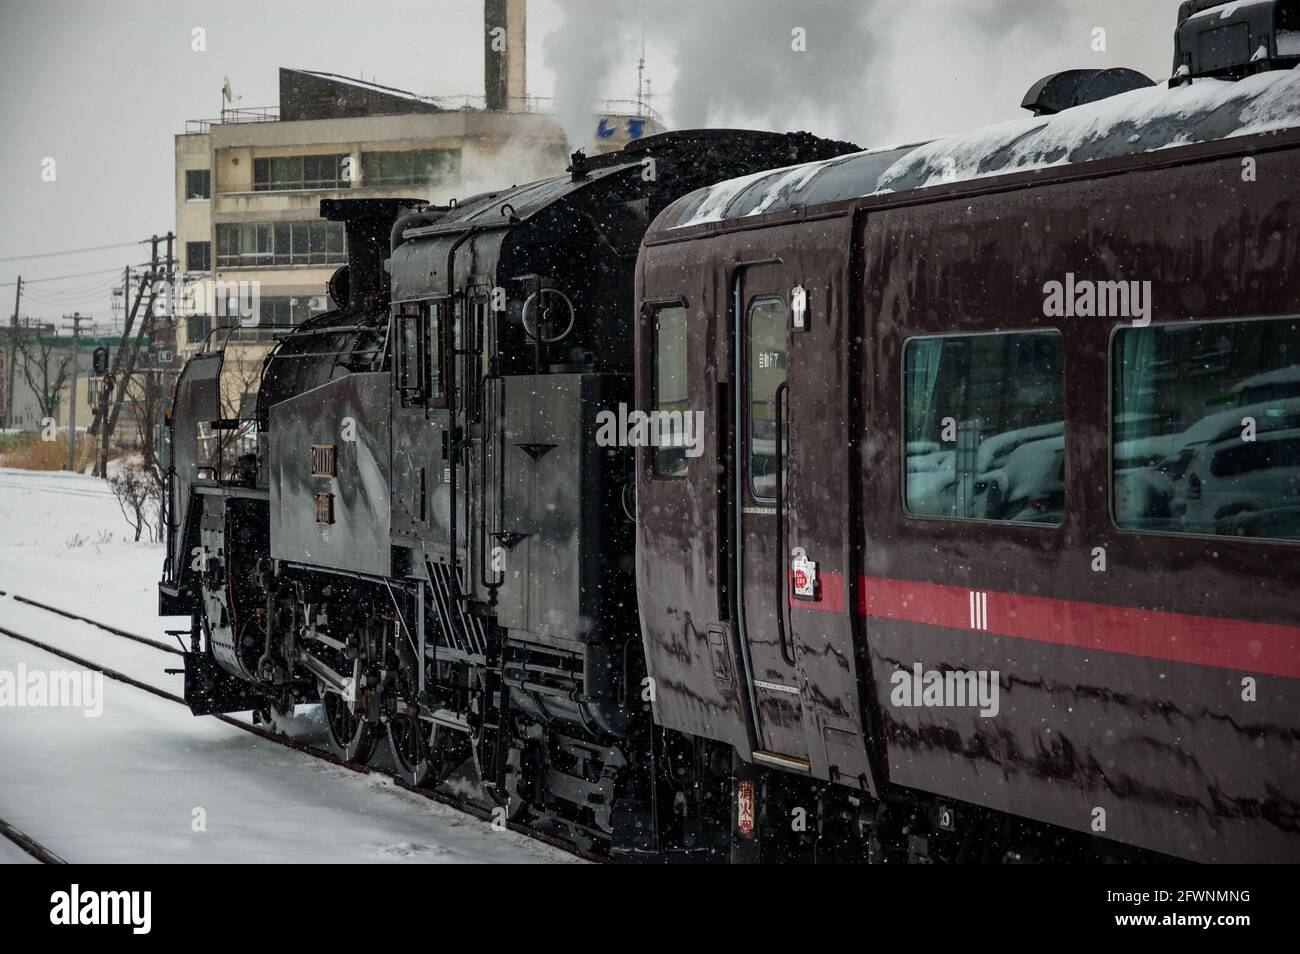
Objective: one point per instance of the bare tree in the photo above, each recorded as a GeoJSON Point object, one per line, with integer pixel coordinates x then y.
{"type": "Point", "coordinates": [46, 372]}
{"type": "Point", "coordinates": [138, 494]}
{"type": "Point", "coordinates": [144, 405]}
{"type": "Point", "coordinates": [241, 375]}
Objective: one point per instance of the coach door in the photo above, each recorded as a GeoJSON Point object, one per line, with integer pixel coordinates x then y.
{"type": "Point", "coordinates": [763, 442]}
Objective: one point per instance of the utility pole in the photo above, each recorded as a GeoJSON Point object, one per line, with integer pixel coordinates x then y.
{"type": "Point", "coordinates": [99, 426]}
{"type": "Point", "coordinates": [13, 354]}
{"type": "Point", "coordinates": [168, 375]}
{"type": "Point", "coordinates": [77, 319]}
{"type": "Point", "coordinates": [146, 328]}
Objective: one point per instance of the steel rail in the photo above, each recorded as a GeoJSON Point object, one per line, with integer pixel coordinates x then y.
{"type": "Point", "coordinates": [307, 749]}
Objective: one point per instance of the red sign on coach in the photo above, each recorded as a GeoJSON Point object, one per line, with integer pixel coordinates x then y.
{"type": "Point", "coordinates": [803, 575]}
{"type": "Point", "coordinates": [745, 809]}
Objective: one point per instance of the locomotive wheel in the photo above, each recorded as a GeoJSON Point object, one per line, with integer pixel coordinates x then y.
{"type": "Point", "coordinates": [409, 740]}
{"type": "Point", "coordinates": [354, 735]}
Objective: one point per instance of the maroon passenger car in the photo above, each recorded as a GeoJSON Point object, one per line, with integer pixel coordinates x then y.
{"type": "Point", "coordinates": [997, 510]}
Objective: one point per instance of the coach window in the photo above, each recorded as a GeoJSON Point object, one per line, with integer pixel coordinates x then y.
{"type": "Point", "coordinates": [767, 329]}
{"type": "Point", "coordinates": [670, 394]}
{"type": "Point", "coordinates": [1205, 428]}
{"type": "Point", "coordinates": [984, 427]}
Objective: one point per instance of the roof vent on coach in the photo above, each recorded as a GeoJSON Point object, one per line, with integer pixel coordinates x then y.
{"type": "Point", "coordinates": [1069, 88]}
{"type": "Point", "coordinates": [1235, 39]}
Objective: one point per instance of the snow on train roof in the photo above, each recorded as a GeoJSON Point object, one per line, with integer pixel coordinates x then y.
{"type": "Point", "coordinates": [1143, 120]}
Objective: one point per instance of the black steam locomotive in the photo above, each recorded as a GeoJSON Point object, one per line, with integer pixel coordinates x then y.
{"type": "Point", "coordinates": [722, 643]}
{"type": "Point", "coordinates": [415, 523]}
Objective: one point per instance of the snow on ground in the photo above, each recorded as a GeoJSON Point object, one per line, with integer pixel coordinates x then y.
{"type": "Point", "coordinates": [123, 787]}
{"type": "Point", "coordinates": [64, 541]}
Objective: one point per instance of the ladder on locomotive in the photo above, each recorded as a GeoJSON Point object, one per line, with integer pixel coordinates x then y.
{"type": "Point", "coordinates": [462, 637]}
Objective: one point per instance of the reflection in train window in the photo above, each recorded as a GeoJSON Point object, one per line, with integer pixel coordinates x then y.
{"type": "Point", "coordinates": [670, 393]}
{"type": "Point", "coordinates": [1205, 436]}
{"type": "Point", "coordinates": [984, 426]}
{"type": "Point", "coordinates": [767, 325]}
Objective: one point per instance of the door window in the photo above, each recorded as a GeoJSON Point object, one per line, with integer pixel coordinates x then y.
{"type": "Point", "coordinates": [670, 394]}
{"type": "Point", "coordinates": [767, 356]}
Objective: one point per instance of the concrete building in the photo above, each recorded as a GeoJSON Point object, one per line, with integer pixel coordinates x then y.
{"type": "Point", "coordinates": [249, 184]}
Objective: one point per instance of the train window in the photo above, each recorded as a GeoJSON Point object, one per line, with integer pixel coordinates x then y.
{"type": "Point", "coordinates": [1205, 429]}
{"type": "Point", "coordinates": [407, 340]}
{"type": "Point", "coordinates": [670, 392]}
{"type": "Point", "coordinates": [984, 425]}
{"type": "Point", "coordinates": [767, 352]}
{"type": "Point", "coordinates": [435, 356]}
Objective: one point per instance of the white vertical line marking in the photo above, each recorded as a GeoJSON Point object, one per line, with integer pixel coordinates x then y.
{"type": "Point", "coordinates": [984, 611]}
{"type": "Point", "coordinates": [970, 605]}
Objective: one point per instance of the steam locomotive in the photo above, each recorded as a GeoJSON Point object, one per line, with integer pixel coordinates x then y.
{"type": "Point", "coordinates": [739, 495]}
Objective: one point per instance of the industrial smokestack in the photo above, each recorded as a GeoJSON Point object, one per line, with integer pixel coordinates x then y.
{"type": "Point", "coordinates": [504, 54]}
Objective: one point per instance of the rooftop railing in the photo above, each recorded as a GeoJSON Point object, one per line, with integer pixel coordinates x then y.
{"type": "Point", "coordinates": [462, 101]}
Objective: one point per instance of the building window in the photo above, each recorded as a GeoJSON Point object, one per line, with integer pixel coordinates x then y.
{"type": "Point", "coordinates": [984, 425]}
{"type": "Point", "coordinates": [257, 245]}
{"type": "Point", "coordinates": [282, 173]}
{"type": "Point", "coordinates": [767, 353]}
{"type": "Point", "coordinates": [198, 256]}
{"type": "Point", "coordinates": [1205, 429]}
{"type": "Point", "coordinates": [197, 328]}
{"type": "Point", "coordinates": [283, 310]}
{"type": "Point", "coordinates": [411, 167]}
{"type": "Point", "coordinates": [198, 184]}
{"type": "Point", "coordinates": [670, 393]}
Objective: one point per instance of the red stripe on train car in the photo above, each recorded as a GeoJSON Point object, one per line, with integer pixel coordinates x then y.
{"type": "Point", "coordinates": [1267, 648]}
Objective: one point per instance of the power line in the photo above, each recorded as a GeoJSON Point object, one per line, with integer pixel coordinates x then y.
{"type": "Point", "coordinates": [69, 251]}
{"type": "Point", "coordinates": [67, 291]}
{"type": "Point", "coordinates": [59, 278]}
{"type": "Point", "coordinates": [72, 288]}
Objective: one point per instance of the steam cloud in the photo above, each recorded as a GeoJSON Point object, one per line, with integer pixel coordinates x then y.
{"type": "Point", "coordinates": [872, 67]}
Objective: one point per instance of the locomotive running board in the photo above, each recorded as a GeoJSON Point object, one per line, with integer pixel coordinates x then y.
{"type": "Point", "coordinates": [791, 762]}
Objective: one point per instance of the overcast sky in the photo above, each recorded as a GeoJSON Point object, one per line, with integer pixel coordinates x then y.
{"type": "Point", "coordinates": [102, 86]}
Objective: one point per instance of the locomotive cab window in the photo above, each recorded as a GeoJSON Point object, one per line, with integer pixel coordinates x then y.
{"type": "Point", "coordinates": [1205, 428]}
{"type": "Point", "coordinates": [670, 393]}
{"type": "Point", "coordinates": [408, 338]}
{"type": "Point", "coordinates": [419, 350]}
{"type": "Point", "coordinates": [984, 425]}
{"type": "Point", "coordinates": [766, 372]}
{"type": "Point", "coordinates": [436, 355]}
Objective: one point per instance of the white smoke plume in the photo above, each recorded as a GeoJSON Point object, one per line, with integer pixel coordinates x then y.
{"type": "Point", "coordinates": [872, 71]}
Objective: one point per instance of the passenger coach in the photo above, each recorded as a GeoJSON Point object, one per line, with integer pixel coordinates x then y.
{"type": "Point", "coordinates": [1016, 413]}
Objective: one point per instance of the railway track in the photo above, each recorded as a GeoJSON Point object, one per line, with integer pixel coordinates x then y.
{"type": "Point", "coordinates": [325, 755]}
{"type": "Point", "coordinates": [163, 647]}
{"type": "Point", "coordinates": [29, 844]}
